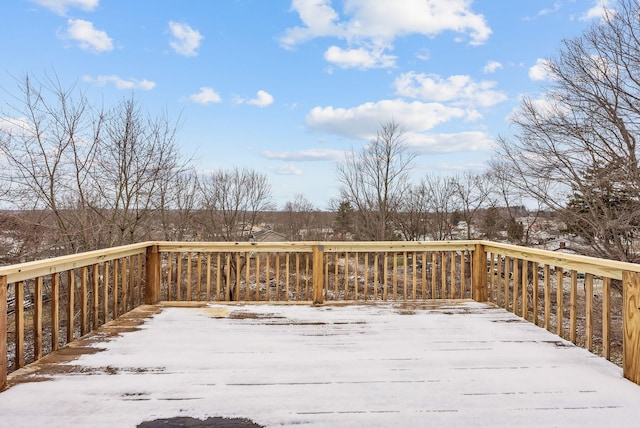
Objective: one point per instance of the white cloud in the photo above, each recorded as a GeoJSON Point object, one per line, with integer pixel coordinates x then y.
{"type": "Point", "coordinates": [185, 40]}
{"type": "Point", "coordinates": [206, 96]}
{"type": "Point", "coordinates": [491, 67]}
{"type": "Point", "coordinates": [556, 7]}
{"type": "Point", "coordinates": [383, 21]}
{"type": "Point", "coordinates": [359, 58]}
{"type": "Point", "coordinates": [319, 19]}
{"type": "Point", "coordinates": [423, 54]}
{"type": "Point", "coordinates": [600, 10]}
{"type": "Point", "coordinates": [263, 99]}
{"type": "Point", "coordinates": [460, 89]}
{"type": "Point", "coordinates": [88, 37]}
{"type": "Point", "coordinates": [120, 83]}
{"type": "Point", "coordinates": [16, 126]}
{"type": "Point", "coordinates": [450, 143]}
{"type": "Point", "coordinates": [540, 71]}
{"type": "Point", "coordinates": [62, 6]}
{"type": "Point", "coordinates": [286, 170]}
{"type": "Point", "coordinates": [305, 155]}
{"type": "Point", "coordinates": [363, 121]}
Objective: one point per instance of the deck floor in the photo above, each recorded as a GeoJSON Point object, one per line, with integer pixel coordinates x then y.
{"type": "Point", "coordinates": [445, 363]}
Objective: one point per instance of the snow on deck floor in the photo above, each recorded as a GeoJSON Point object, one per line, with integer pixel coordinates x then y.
{"type": "Point", "coordinates": [385, 365]}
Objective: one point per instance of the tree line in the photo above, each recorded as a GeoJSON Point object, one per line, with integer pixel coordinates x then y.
{"type": "Point", "coordinates": [85, 176]}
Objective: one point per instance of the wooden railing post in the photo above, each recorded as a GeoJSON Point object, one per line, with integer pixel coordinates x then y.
{"type": "Point", "coordinates": [3, 332]}
{"type": "Point", "coordinates": [479, 282]}
{"type": "Point", "coordinates": [631, 325]}
{"type": "Point", "coordinates": [152, 283]}
{"type": "Point", "coordinates": [318, 274]}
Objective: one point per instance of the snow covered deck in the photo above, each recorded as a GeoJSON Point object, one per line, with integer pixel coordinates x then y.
{"type": "Point", "coordinates": [439, 363]}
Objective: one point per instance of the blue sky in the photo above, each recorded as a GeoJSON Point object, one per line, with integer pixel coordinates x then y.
{"type": "Point", "coordinates": [286, 87]}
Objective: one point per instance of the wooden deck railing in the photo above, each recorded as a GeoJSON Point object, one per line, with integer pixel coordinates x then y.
{"type": "Point", "coordinates": [51, 302]}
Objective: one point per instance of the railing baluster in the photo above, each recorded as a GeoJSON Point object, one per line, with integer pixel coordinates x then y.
{"type": "Point", "coordinates": [306, 277]}
{"type": "Point", "coordinates": [443, 274]}
{"type": "Point", "coordinates": [83, 300]}
{"type": "Point", "coordinates": [169, 275]}
{"type": "Point", "coordinates": [3, 331]}
{"type": "Point", "coordinates": [219, 276]}
{"type": "Point", "coordinates": [71, 281]}
{"type": "Point", "coordinates": [286, 276]}
{"type": "Point", "coordinates": [208, 283]}
{"type": "Point", "coordinates": [606, 318]}
{"type": "Point", "coordinates": [95, 302]}
{"type": "Point", "coordinates": [452, 280]}
{"type": "Point", "coordinates": [589, 312]}
{"type": "Point", "coordinates": [376, 273]}
{"type": "Point", "coordinates": [115, 291]}
{"type": "Point", "coordinates": [55, 305]}
{"type": "Point", "coordinates": [18, 295]}
{"type": "Point", "coordinates": [365, 288]}
{"type": "Point", "coordinates": [572, 306]}
{"type": "Point", "coordinates": [434, 275]}
{"type": "Point", "coordinates": [516, 284]}
{"type": "Point", "coordinates": [559, 298]}
{"type": "Point", "coordinates": [179, 276]}
{"type": "Point", "coordinates": [356, 282]}
{"type": "Point", "coordinates": [199, 281]}
{"type": "Point", "coordinates": [37, 319]}
{"type": "Point", "coordinates": [536, 283]}
{"type": "Point", "coordinates": [385, 279]}
{"type": "Point", "coordinates": [424, 275]}
{"type": "Point", "coordinates": [335, 276]}
{"type": "Point", "coordinates": [247, 276]}
{"type": "Point", "coordinates": [297, 275]}
{"type": "Point", "coordinates": [394, 276]}
{"type": "Point", "coordinates": [125, 285]}
{"type": "Point", "coordinates": [525, 289]}
{"type": "Point", "coordinates": [500, 290]}
{"type": "Point", "coordinates": [414, 282]}
{"type": "Point", "coordinates": [507, 281]}
{"type": "Point", "coordinates": [346, 276]}
{"type": "Point", "coordinates": [277, 276]}
{"type": "Point", "coordinates": [547, 297]}
{"type": "Point", "coordinates": [189, 278]}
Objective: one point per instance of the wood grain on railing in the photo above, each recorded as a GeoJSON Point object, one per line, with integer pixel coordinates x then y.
{"type": "Point", "coordinates": [78, 293]}
{"type": "Point", "coordinates": [55, 301]}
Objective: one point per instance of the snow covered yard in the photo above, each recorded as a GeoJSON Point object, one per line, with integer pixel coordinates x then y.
{"type": "Point", "coordinates": [378, 365]}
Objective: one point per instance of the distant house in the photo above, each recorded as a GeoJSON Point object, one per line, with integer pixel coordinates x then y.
{"type": "Point", "coordinates": [268, 236]}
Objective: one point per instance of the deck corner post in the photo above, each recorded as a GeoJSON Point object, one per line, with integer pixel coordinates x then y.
{"type": "Point", "coordinates": [3, 332]}
{"type": "Point", "coordinates": [631, 326]}
{"type": "Point", "coordinates": [318, 274]}
{"type": "Point", "coordinates": [479, 278]}
{"type": "Point", "coordinates": [152, 271]}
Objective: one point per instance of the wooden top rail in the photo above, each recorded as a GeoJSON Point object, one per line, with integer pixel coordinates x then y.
{"type": "Point", "coordinates": [601, 267]}
{"type": "Point", "coordinates": [307, 246]}
{"type": "Point", "coordinates": [37, 268]}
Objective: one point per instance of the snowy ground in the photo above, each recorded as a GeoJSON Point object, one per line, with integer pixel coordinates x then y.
{"type": "Point", "coordinates": [386, 365]}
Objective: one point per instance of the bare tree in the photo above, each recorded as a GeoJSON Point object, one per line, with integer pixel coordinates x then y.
{"type": "Point", "coordinates": [442, 205]}
{"type": "Point", "coordinates": [138, 154]}
{"type": "Point", "coordinates": [472, 192]}
{"type": "Point", "coordinates": [49, 136]}
{"type": "Point", "coordinates": [300, 219]}
{"type": "Point", "coordinates": [577, 151]}
{"type": "Point", "coordinates": [90, 178]}
{"type": "Point", "coordinates": [178, 207]}
{"type": "Point", "coordinates": [231, 202]}
{"type": "Point", "coordinates": [516, 206]}
{"type": "Point", "coordinates": [374, 179]}
{"type": "Point", "coordinates": [414, 221]}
